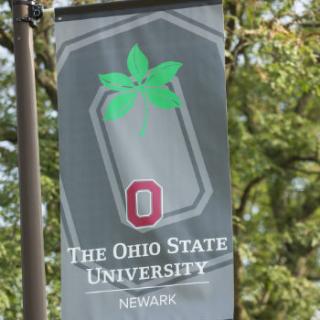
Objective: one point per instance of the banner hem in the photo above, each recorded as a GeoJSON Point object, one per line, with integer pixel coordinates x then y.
{"type": "Point", "coordinates": [110, 8]}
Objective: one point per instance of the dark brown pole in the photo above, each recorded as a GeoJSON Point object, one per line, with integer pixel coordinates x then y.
{"type": "Point", "coordinates": [34, 297]}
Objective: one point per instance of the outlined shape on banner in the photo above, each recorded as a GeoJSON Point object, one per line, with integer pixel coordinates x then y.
{"type": "Point", "coordinates": [202, 190]}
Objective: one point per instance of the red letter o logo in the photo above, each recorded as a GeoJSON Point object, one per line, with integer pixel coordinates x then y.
{"type": "Point", "coordinates": [155, 214]}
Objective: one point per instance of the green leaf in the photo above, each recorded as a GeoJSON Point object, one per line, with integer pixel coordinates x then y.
{"type": "Point", "coordinates": [116, 81]}
{"type": "Point", "coordinates": [119, 106]}
{"type": "Point", "coordinates": [138, 63]}
{"type": "Point", "coordinates": [163, 73]}
{"type": "Point", "coordinates": [163, 98]}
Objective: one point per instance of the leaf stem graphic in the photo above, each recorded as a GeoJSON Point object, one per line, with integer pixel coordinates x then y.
{"type": "Point", "coordinates": [146, 114]}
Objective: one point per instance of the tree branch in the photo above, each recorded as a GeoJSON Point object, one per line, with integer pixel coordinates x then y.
{"type": "Point", "coordinates": [9, 135]}
{"type": "Point", "coordinates": [246, 194]}
{"type": "Point", "coordinates": [302, 102]}
{"type": "Point", "coordinates": [6, 41]}
{"type": "Point", "coordinates": [49, 85]}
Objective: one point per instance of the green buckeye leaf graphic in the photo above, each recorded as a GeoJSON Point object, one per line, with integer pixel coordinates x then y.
{"type": "Point", "coordinates": [163, 73]}
{"type": "Point", "coordinates": [138, 63]}
{"type": "Point", "coordinates": [116, 81]}
{"type": "Point", "coordinates": [119, 106]}
{"type": "Point", "coordinates": [163, 98]}
{"type": "Point", "coordinates": [150, 84]}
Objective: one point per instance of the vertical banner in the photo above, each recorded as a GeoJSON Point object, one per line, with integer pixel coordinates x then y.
{"type": "Point", "coordinates": [145, 190]}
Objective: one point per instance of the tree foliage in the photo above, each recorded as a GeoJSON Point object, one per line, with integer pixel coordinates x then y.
{"type": "Point", "coordinates": [273, 76]}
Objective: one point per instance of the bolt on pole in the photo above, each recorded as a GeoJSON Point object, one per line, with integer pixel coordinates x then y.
{"type": "Point", "coordinates": [33, 270]}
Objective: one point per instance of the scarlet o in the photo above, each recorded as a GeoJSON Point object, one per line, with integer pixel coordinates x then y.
{"type": "Point", "coordinates": [132, 206]}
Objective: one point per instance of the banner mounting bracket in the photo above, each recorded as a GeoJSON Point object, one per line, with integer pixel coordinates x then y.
{"type": "Point", "coordinates": [35, 12]}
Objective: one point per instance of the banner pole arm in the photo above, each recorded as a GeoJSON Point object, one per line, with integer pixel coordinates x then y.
{"type": "Point", "coordinates": [33, 267]}
{"type": "Point", "coordinates": [48, 11]}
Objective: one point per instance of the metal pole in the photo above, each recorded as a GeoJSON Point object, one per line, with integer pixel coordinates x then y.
{"type": "Point", "coordinates": [34, 297]}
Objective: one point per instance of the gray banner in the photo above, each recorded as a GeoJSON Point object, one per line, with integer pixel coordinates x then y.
{"type": "Point", "coordinates": [145, 190]}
